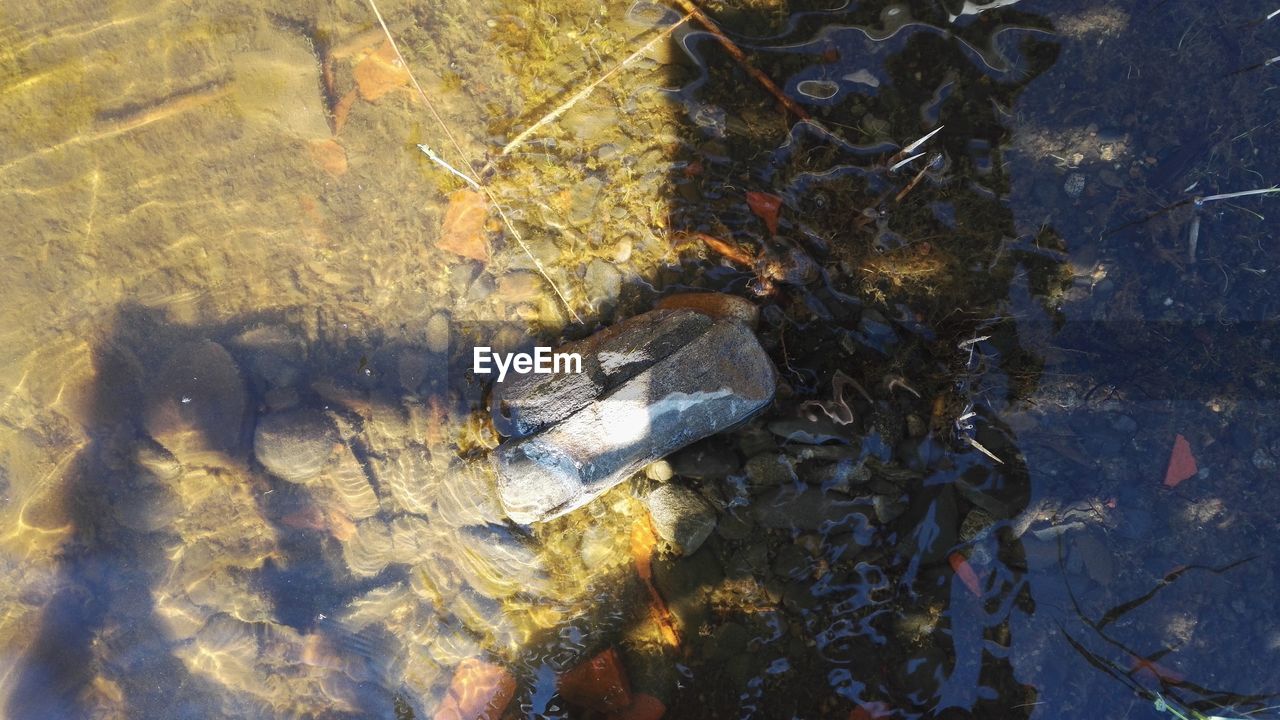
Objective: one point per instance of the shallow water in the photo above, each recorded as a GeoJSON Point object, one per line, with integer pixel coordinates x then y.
{"type": "Point", "coordinates": [217, 212]}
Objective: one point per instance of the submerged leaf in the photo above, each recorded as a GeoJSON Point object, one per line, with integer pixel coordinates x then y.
{"type": "Point", "coordinates": [1182, 464]}
{"type": "Point", "coordinates": [463, 231]}
{"type": "Point", "coordinates": [766, 207]}
{"type": "Point", "coordinates": [379, 73]}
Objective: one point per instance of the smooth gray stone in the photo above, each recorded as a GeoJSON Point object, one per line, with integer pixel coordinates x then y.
{"type": "Point", "coordinates": [197, 402]}
{"type": "Point", "coordinates": [769, 470]}
{"type": "Point", "coordinates": [716, 380]}
{"type": "Point", "coordinates": [294, 445]}
{"type": "Point", "coordinates": [680, 516]}
{"type": "Point", "coordinates": [524, 404]}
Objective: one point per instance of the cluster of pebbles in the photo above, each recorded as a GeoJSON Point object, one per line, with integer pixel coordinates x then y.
{"type": "Point", "coordinates": [323, 546]}
{"type": "Point", "coordinates": [324, 551]}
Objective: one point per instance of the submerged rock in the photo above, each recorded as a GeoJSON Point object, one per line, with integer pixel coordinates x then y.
{"type": "Point", "coordinates": [680, 516]}
{"type": "Point", "coordinates": [528, 403]}
{"type": "Point", "coordinates": [716, 305]}
{"type": "Point", "coordinates": [198, 402]}
{"type": "Point", "coordinates": [688, 378]}
{"type": "Point", "coordinates": [294, 445]}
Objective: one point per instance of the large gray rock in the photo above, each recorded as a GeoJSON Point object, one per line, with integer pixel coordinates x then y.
{"type": "Point", "coordinates": [525, 404]}
{"type": "Point", "coordinates": [680, 516]}
{"type": "Point", "coordinates": [712, 380]}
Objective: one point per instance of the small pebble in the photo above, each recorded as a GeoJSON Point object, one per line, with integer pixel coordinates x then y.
{"type": "Point", "coordinates": [1074, 185]}
{"type": "Point", "coordinates": [438, 333]}
{"type": "Point", "coordinates": [659, 471]}
{"type": "Point", "coordinates": [680, 517]}
{"type": "Point", "coordinates": [1262, 460]}
{"type": "Point", "coordinates": [294, 445]}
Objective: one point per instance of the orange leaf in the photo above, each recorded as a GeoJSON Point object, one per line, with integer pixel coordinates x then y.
{"type": "Point", "coordinates": [1182, 464]}
{"type": "Point", "coordinates": [330, 156]}
{"type": "Point", "coordinates": [478, 691]}
{"type": "Point", "coordinates": [644, 707]}
{"type": "Point", "coordinates": [870, 711]}
{"type": "Point", "coordinates": [965, 572]}
{"type": "Point", "coordinates": [379, 73]}
{"type": "Point", "coordinates": [766, 207]}
{"type": "Point", "coordinates": [463, 230]}
{"type": "Point", "coordinates": [598, 684]}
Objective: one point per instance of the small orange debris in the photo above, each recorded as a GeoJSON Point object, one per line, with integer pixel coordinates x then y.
{"type": "Point", "coordinates": [1182, 464]}
{"type": "Point", "coordinates": [478, 691]}
{"type": "Point", "coordinates": [766, 207]}
{"type": "Point", "coordinates": [520, 286]}
{"type": "Point", "coordinates": [437, 423]}
{"type": "Point", "coordinates": [1159, 672]}
{"type": "Point", "coordinates": [717, 305]}
{"type": "Point", "coordinates": [730, 251]}
{"type": "Point", "coordinates": [643, 544]}
{"type": "Point", "coordinates": [341, 110]}
{"type": "Point", "coordinates": [965, 572]}
{"type": "Point", "coordinates": [870, 711]}
{"type": "Point", "coordinates": [598, 684]}
{"type": "Point", "coordinates": [330, 156]}
{"type": "Point", "coordinates": [309, 517]}
{"type": "Point", "coordinates": [643, 707]}
{"type": "Point", "coordinates": [463, 231]}
{"type": "Point", "coordinates": [379, 73]}
{"type": "Point", "coordinates": [340, 525]}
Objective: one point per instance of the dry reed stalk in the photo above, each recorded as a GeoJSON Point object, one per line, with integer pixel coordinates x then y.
{"type": "Point", "coordinates": [736, 53]}
{"type": "Point", "coordinates": [584, 92]}
{"type": "Point", "coordinates": [493, 200]}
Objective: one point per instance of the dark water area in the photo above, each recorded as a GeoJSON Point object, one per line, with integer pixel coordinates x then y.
{"type": "Point", "coordinates": [1048, 292]}
{"type": "Point", "coordinates": [1023, 460]}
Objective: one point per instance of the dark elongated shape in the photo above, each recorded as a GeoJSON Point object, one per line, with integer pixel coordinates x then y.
{"type": "Point", "coordinates": [528, 403]}
{"type": "Point", "coordinates": [711, 380]}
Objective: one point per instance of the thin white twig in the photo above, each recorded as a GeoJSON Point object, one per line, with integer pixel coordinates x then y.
{"type": "Point", "coordinates": [900, 163]}
{"type": "Point", "coordinates": [578, 96]}
{"type": "Point", "coordinates": [426, 150]}
{"type": "Point", "coordinates": [1242, 193]}
{"type": "Point", "coordinates": [912, 147]}
{"type": "Point", "coordinates": [493, 200]}
{"type": "Point", "coordinates": [412, 78]}
{"type": "Point", "coordinates": [978, 446]}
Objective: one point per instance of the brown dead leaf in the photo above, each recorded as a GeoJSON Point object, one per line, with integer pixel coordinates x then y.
{"type": "Point", "coordinates": [379, 73]}
{"type": "Point", "coordinates": [463, 231]}
{"type": "Point", "coordinates": [341, 110]}
{"type": "Point", "coordinates": [330, 156]}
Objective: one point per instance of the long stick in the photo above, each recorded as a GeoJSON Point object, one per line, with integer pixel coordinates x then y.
{"type": "Point", "coordinates": [462, 154]}
{"type": "Point", "coordinates": [741, 58]}
{"type": "Point", "coordinates": [578, 96]}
